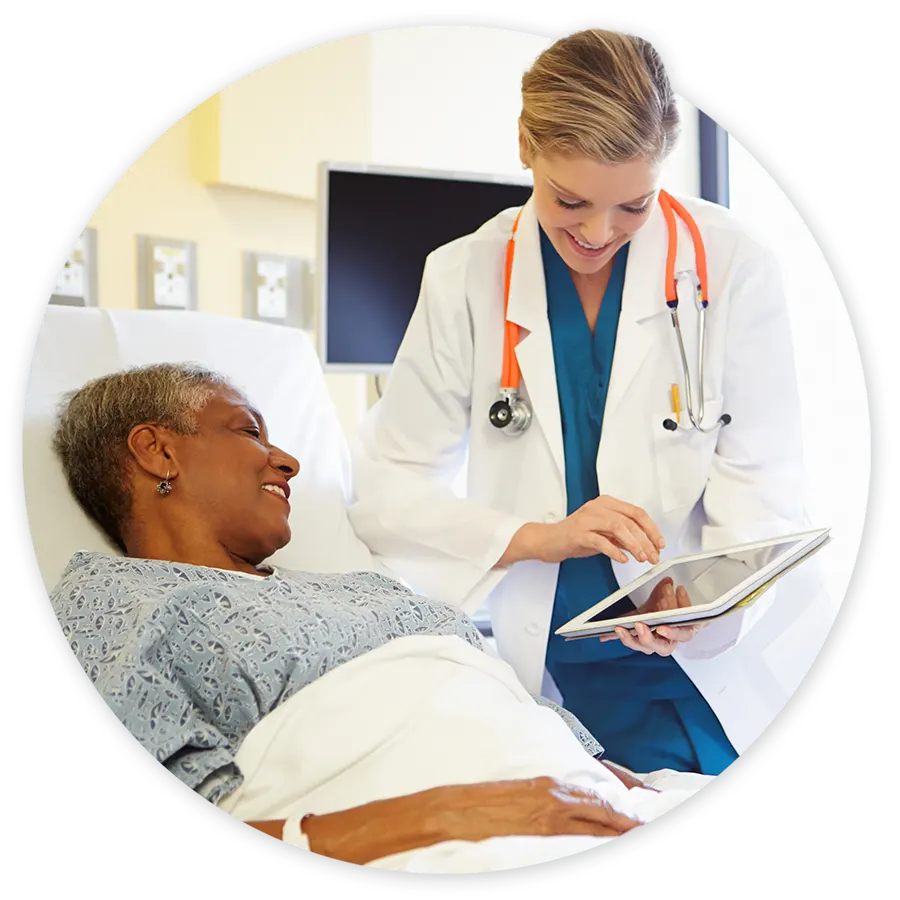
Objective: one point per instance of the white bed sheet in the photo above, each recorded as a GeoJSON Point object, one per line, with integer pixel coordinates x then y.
{"type": "Point", "coordinates": [417, 713]}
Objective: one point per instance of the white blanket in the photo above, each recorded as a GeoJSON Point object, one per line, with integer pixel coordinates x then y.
{"type": "Point", "coordinates": [417, 713]}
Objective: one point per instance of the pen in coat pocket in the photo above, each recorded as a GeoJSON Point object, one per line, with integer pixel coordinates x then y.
{"type": "Point", "coordinates": [676, 404]}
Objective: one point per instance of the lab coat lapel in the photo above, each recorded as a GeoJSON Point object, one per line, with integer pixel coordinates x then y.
{"type": "Point", "coordinates": [643, 302]}
{"type": "Point", "coordinates": [528, 309]}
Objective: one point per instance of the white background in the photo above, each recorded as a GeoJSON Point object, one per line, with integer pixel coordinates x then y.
{"type": "Point", "coordinates": [829, 370]}
{"type": "Point", "coordinates": [75, 77]}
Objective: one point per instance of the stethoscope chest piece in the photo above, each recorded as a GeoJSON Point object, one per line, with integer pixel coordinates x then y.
{"type": "Point", "coordinates": [511, 414]}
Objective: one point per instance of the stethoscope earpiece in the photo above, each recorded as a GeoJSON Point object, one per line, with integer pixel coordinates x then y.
{"type": "Point", "coordinates": [724, 419]}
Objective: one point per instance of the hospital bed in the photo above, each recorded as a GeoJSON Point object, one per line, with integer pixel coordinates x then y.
{"type": "Point", "coordinates": [279, 370]}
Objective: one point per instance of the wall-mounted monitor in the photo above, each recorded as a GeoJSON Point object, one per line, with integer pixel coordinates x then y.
{"type": "Point", "coordinates": [376, 226]}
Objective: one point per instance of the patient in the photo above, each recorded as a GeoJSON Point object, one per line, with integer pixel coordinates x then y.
{"type": "Point", "coordinates": [378, 713]}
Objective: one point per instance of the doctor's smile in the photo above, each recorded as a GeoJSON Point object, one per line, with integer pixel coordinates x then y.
{"type": "Point", "coordinates": [588, 249]}
{"type": "Point", "coordinates": [589, 225]}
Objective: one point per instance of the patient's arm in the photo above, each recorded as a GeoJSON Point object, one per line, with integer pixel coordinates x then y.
{"type": "Point", "coordinates": [585, 738]}
{"type": "Point", "coordinates": [590, 744]}
{"type": "Point", "coordinates": [471, 812]}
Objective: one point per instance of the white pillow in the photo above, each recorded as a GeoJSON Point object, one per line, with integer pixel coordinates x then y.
{"type": "Point", "coordinates": [275, 366]}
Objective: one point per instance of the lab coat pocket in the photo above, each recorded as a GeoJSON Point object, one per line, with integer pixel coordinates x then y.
{"type": "Point", "coordinates": [683, 457]}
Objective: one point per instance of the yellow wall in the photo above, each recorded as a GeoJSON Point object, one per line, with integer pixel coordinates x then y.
{"type": "Point", "coordinates": [159, 196]}
{"type": "Point", "coordinates": [276, 124]}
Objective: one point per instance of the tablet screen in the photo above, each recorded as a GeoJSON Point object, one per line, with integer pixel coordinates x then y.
{"type": "Point", "coordinates": [703, 581]}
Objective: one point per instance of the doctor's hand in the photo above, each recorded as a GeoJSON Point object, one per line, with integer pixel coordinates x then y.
{"type": "Point", "coordinates": [603, 525]}
{"type": "Point", "coordinates": [665, 640]}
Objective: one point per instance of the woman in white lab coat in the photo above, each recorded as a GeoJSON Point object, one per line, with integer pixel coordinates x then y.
{"type": "Point", "coordinates": [559, 516]}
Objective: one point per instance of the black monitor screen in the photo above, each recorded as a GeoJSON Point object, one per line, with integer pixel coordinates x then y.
{"type": "Point", "coordinates": [380, 229]}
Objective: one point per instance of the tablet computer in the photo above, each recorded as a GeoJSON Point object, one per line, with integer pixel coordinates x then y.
{"type": "Point", "coordinates": [714, 583]}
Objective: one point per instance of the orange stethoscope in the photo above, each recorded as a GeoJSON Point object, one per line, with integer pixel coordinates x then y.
{"type": "Point", "coordinates": [512, 413]}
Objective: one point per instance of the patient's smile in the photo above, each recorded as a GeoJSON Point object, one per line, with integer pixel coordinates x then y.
{"type": "Point", "coordinates": [275, 489]}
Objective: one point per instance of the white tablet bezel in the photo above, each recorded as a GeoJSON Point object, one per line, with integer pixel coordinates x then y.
{"type": "Point", "coordinates": [808, 541]}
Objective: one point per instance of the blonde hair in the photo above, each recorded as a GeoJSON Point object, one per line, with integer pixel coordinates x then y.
{"type": "Point", "coordinates": [95, 421]}
{"type": "Point", "coordinates": [602, 95]}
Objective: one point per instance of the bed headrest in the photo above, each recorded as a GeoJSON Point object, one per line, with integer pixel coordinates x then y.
{"type": "Point", "coordinates": [275, 366]}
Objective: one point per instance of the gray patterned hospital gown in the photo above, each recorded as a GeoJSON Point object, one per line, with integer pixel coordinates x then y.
{"type": "Point", "coordinates": [191, 658]}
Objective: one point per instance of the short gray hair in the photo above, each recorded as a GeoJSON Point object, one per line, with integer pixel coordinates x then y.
{"type": "Point", "coordinates": [95, 421]}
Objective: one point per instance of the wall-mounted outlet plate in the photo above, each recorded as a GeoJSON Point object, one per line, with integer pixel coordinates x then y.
{"type": "Point", "coordinates": [77, 282]}
{"type": "Point", "coordinates": [167, 273]}
{"type": "Point", "coordinates": [276, 289]}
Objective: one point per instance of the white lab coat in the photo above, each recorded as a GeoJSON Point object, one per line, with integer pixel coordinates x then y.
{"type": "Point", "coordinates": [740, 484]}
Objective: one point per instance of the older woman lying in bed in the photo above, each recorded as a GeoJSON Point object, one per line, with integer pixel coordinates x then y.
{"type": "Point", "coordinates": [375, 715]}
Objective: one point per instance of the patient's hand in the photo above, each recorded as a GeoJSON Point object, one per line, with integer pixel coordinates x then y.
{"type": "Point", "coordinates": [472, 812]}
{"type": "Point", "coordinates": [665, 640]}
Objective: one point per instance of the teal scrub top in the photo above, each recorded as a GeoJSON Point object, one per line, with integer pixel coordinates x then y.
{"type": "Point", "coordinates": [644, 709]}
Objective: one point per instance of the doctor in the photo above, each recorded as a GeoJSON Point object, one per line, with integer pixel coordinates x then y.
{"type": "Point", "coordinates": [596, 487]}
